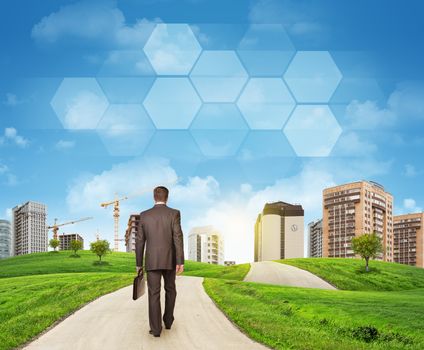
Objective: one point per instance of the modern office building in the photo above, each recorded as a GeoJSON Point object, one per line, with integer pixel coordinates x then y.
{"type": "Point", "coordinates": [205, 244]}
{"type": "Point", "coordinates": [408, 235]}
{"type": "Point", "coordinates": [315, 238]}
{"type": "Point", "coordinates": [66, 239]}
{"type": "Point", "coordinates": [131, 232]}
{"type": "Point", "coordinates": [29, 228]}
{"type": "Point", "coordinates": [5, 239]}
{"type": "Point", "coordinates": [352, 209]}
{"type": "Point", "coordinates": [279, 232]}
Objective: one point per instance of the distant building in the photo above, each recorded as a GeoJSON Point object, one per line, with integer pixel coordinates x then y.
{"type": "Point", "coordinates": [352, 209]}
{"type": "Point", "coordinates": [409, 239]}
{"type": "Point", "coordinates": [131, 232]}
{"type": "Point", "coordinates": [5, 239]}
{"type": "Point", "coordinates": [315, 239]}
{"type": "Point", "coordinates": [29, 228]}
{"type": "Point", "coordinates": [229, 262]}
{"type": "Point", "coordinates": [205, 244]}
{"type": "Point", "coordinates": [279, 232]}
{"type": "Point", "coordinates": [66, 239]}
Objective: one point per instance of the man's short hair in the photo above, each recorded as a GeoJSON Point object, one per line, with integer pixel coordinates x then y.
{"type": "Point", "coordinates": [160, 194]}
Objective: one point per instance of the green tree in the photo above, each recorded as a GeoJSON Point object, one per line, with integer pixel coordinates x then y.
{"type": "Point", "coordinates": [76, 245]}
{"type": "Point", "coordinates": [54, 243]}
{"type": "Point", "coordinates": [367, 245]}
{"type": "Point", "coordinates": [100, 248]}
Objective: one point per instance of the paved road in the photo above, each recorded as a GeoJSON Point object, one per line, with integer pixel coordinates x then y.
{"type": "Point", "coordinates": [275, 273]}
{"type": "Point", "coordinates": [115, 322]}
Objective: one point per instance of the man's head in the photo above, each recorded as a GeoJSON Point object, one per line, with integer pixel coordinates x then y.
{"type": "Point", "coordinates": [160, 194]}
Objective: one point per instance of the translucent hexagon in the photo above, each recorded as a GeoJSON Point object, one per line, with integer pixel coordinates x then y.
{"type": "Point", "coordinates": [312, 130]}
{"type": "Point", "coordinates": [312, 76]}
{"type": "Point", "coordinates": [126, 89]}
{"type": "Point", "coordinates": [126, 63]}
{"type": "Point", "coordinates": [172, 49]}
{"type": "Point", "coordinates": [125, 129]}
{"type": "Point", "coordinates": [266, 50]}
{"type": "Point", "coordinates": [172, 103]}
{"type": "Point", "coordinates": [359, 89]}
{"type": "Point", "coordinates": [266, 103]}
{"type": "Point", "coordinates": [218, 76]}
{"type": "Point", "coordinates": [79, 103]}
{"type": "Point", "coordinates": [219, 129]}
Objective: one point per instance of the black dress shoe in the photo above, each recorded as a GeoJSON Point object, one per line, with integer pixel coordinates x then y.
{"type": "Point", "coordinates": [155, 335]}
{"type": "Point", "coordinates": [167, 327]}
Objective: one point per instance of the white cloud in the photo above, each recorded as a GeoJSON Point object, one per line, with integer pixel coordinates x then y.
{"type": "Point", "coordinates": [12, 100]}
{"type": "Point", "coordinates": [64, 144]}
{"type": "Point", "coordinates": [407, 100]}
{"type": "Point", "coordinates": [93, 20]}
{"type": "Point", "coordinates": [8, 213]}
{"type": "Point", "coordinates": [368, 115]}
{"type": "Point", "coordinates": [9, 178]}
{"type": "Point", "coordinates": [410, 206]}
{"type": "Point", "coordinates": [350, 143]}
{"type": "Point", "coordinates": [11, 135]}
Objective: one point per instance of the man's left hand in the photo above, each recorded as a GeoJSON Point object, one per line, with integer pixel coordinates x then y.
{"type": "Point", "coordinates": [179, 269]}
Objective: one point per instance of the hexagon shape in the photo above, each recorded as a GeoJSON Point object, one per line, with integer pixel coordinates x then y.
{"type": "Point", "coordinates": [312, 130]}
{"type": "Point", "coordinates": [312, 76]}
{"type": "Point", "coordinates": [120, 90]}
{"type": "Point", "coordinates": [219, 129]}
{"type": "Point", "coordinates": [172, 49]}
{"type": "Point", "coordinates": [266, 50]}
{"type": "Point", "coordinates": [79, 103]}
{"type": "Point", "coordinates": [125, 129]}
{"type": "Point", "coordinates": [266, 103]}
{"type": "Point", "coordinates": [218, 76]}
{"type": "Point", "coordinates": [172, 103]}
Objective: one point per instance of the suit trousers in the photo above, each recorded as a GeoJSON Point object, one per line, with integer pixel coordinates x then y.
{"type": "Point", "coordinates": [154, 286]}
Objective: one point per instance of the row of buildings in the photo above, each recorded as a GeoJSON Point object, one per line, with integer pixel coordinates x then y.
{"type": "Point", "coordinates": [205, 243]}
{"type": "Point", "coordinates": [28, 233]}
{"type": "Point", "coordinates": [352, 209]}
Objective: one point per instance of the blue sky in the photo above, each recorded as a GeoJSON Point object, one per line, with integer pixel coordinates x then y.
{"type": "Point", "coordinates": [230, 103]}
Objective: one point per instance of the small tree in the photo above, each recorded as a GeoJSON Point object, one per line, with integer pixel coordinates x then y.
{"type": "Point", "coordinates": [367, 246]}
{"type": "Point", "coordinates": [76, 245]}
{"type": "Point", "coordinates": [54, 243]}
{"type": "Point", "coordinates": [100, 248]}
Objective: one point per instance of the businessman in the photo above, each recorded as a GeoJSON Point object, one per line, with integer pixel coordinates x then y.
{"type": "Point", "coordinates": [160, 232]}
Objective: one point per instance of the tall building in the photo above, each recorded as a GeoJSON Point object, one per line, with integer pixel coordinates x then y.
{"type": "Point", "coordinates": [66, 239]}
{"type": "Point", "coordinates": [29, 228]}
{"type": "Point", "coordinates": [315, 239]}
{"type": "Point", "coordinates": [131, 232]}
{"type": "Point", "coordinates": [205, 244]}
{"type": "Point", "coordinates": [408, 232]}
{"type": "Point", "coordinates": [5, 239]}
{"type": "Point", "coordinates": [279, 232]}
{"type": "Point", "coordinates": [353, 209]}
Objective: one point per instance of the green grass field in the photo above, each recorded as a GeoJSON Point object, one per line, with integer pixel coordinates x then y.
{"type": "Point", "coordinates": [380, 310]}
{"type": "Point", "coordinates": [37, 290]}
{"type": "Point", "coordinates": [349, 274]}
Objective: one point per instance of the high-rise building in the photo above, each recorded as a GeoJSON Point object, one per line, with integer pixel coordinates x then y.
{"type": "Point", "coordinates": [29, 228]}
{"type": "Point", "coordinates": [205, 244]}
{"type": "Point", "coordinates": [131, 232]}
{"type": "Point", "coordinates": [5, 239]}
{"type": "Point", "coordinates": [315, 239]}
{"type": "Point", "coordinates": [279, 232]}
{"type": "Point", "coordinates": [353, 209]}
{"type": "Point", "coordinates": [408, 232]}
{"type": "Point", "coordinates": [66, 239]}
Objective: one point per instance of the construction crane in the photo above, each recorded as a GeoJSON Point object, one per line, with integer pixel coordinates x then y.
{"type": "Point", "coordinates": [55, 226]}
{"type": "Point", "coordinates": [116, 214]}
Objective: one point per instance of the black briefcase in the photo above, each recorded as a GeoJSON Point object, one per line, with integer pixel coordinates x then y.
{"type": "Point", "coordinates": [139, 286]}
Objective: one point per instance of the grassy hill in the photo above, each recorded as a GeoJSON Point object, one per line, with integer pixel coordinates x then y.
{"type": "Point", "coordinates": [36, 290]}
{"type": "Point", "coordinates": [381, 309]}
{"type": "Point", "coordinates": [118, 262]}
{"type": "Point", "coordinates": [349, 274]}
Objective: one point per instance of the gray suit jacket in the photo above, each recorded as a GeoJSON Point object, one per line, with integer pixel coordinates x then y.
{"type": "Point", "coordinates": [160, 232]}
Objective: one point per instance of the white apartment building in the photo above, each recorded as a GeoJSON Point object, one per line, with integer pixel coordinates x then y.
{"type": "Point", "coordinates": [315, 239]}
{"type": "Point", "coordinates": [30, 234]}
{"type": "Point", "coordinates": [5, 239]}
{"type": "Point", "coordinates": [205, 244]}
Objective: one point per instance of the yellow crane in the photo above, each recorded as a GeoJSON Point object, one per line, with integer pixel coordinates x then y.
{"type": "Point", "coordinates": [55, 226]}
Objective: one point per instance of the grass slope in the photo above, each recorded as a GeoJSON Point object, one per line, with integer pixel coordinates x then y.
{"type": "Point", "coordinates": [298, 318]}
{"type": "Point", "coordinates": [118, 262]}
{"type": "Point", "coordinates": [349, 274]}
{"type": "Point", "coordinates": [30, 304]}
